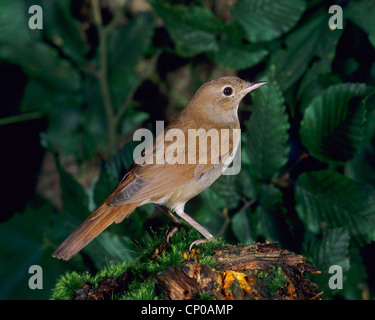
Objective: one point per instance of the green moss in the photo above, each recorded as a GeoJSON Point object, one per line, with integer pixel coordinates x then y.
{"type": "Point", "coordinates": [277, 282]}
{"type": "Point", "coordinates": [141, 291]}
{"type": "Point", "coordinates": [143, 267]}
{"type": "Point", "coordinates": [206, 296]}
{"type": "Point", "coordinates": [273, 278]}
{"type": "Point", "coordinates": [69, 282]}
{"type": "Point", "coordinates": [112, 271]}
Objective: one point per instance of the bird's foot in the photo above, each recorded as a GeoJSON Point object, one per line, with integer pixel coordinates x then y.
{"type": "Point", "coordinates": [172, 232]}
{"type": "Point", "coordinates": [200, 241]}
{"type": "Point", "coordinates": [163, 245]}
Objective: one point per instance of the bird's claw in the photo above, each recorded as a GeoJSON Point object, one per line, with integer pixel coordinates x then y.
{"type": "Point", "coordinates": [200, 241]}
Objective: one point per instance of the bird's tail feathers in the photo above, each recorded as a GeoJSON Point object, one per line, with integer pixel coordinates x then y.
{"type": "Point", "coordinates": [99, 220]}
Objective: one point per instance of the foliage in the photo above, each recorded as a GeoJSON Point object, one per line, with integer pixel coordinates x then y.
{"type": "Point", "coordinates": [96, 73]}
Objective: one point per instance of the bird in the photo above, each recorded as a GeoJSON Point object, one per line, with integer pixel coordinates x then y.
{"type": "Point", "coordinates": [182, 175]}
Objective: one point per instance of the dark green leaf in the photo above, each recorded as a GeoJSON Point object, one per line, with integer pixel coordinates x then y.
{"type": "Point", "coordinates": [319, 76]}
{"type": "Point", "coordinates": [361, 166]}
{"type": "Point", "coordinates": [226, 191]}
{"type": "Point", "coordinates": [112, 171]}
{"type": "Point", "coordinates": [332, 126]}
{"type": "Point", "coordinates": [36, 97]}
{"type": "Point", "coordinates": [125, 48]}
{"type": "Point", "coordinates": [192, 29]}
{"type": "Point", "coordinates": [74, 198]}
{"type": "Point", "coordinates": [246, 185]}
{"type": "Point", "coordinates": [312, 40]}
{"type": "Point", "coordinates": [356, 278]}
{"type": "Point", "coordinates": [42, 62]}
{"type": "Point", "coordinates": [109, 247]}
{"type": "Point", "coordinates": [331, 249]}
{"type": "Point", "coordinates": [238, 57]}
{"type": "Point", "coordinates": [362, 14]}
{"type": "Point", "coordinates": [25, 240]}
{"type": "Point", "coordinates": [265, 20]}
{"type": "Point", "coordinates": [65, 117]}
{"type": "Point", "coordinates": [64, 30]}
{"type": "Point", "coordinates": [267, 131]}
{"type": "Point", "coordinates": [132, 119]}
{"type": "Point", "coordinates": [269, 212]}
{"type": "Point", "coordinates": [14, 22]}
{"type": "Point", "coordinates": [327, 200]}
{"type": "Point", "coordinates": [243, 225]}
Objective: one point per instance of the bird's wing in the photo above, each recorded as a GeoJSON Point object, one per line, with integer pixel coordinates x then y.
{"type": "Point", "coordinates": [147, 181]}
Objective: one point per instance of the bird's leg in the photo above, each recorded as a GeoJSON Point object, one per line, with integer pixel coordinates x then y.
{"type": "Point", "coordinates": [209, 237]}
{"type": "Point", "coordinates": [175, 220]}
{"type": "Point", "coordinates": [168, 233]}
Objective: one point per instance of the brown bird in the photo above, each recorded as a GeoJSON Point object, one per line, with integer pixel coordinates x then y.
{"type": "Point", "coordinates": [170, 173]}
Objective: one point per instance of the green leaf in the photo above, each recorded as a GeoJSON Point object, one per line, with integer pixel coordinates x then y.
{"type": "Point", "coordinates": [356, 277]}
{"type": "Point", "coordinates": [265, 20]}
{"type": "Point", "coordinates": [125, 48]}
{"type": "Point", "coordinates": [65, 116]}
{"type": "Point", "coordinates": [292, 62]}
{"type": "Point", "coordinates": [319, 76]}
{"type": "Point", "coordinates": [332, 125]}
{"type": "Point", "coordinates": [111, 172]}
{"type": "Point", "coordinates": [225, 189]}
{"type": "Point", "coordinates": [43, 63]}
{"type": "Point", "coordinates": [243, 225]}
{"type": "Point", "coordinates": [25, 240]}
{"type": "Point", "coordinates": [208, 211]}
{"type": "Point", "coordinates": [331, 249]}
{"type": "Point", "coordinates": [238, 57]}
{"type": "Point", "coordinates": [362, 14]}
{"type": "Point", "coordinates": [132, 119]}
{"type": "Point", "coordinates": [110, 247]}
{"type": "Point", "coordinates": [36, 97]}
{"type": "Point", "coordinates": [74, 198]}
{"type": "Point", "coordinates": [64, 30]}
{"type": "Point", "coordinates": [270, 212]}
{"type": "Point", "coordinates": [14, 22]}
{"type": "Point", "coordinates": [267, 131]}
{"type": "Point", "coordinates": [193, 29]}
{"type": "Point", "coordinates": [361, 166]}
{"type": "Point", "coordinates": [328, 200]}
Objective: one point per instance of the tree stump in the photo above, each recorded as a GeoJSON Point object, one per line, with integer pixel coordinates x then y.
{"type": "Point", "coordinates": [256, 271]}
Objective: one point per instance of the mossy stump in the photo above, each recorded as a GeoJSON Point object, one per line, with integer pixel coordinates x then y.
{"type": "Point", "coordinates": [256, 271]}
{"type": "Point", "coordinates": [215, 270]}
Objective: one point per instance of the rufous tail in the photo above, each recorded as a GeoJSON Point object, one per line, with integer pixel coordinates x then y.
{"type": "Point", "coordinates": [99, 220]}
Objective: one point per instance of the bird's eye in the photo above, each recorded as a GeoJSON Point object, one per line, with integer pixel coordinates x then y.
{"type": "Point", "coordinates": [227, 91]}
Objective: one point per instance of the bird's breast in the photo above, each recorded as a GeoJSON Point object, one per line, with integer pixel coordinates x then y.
{"type": "Point", "coordinates": [179, 196]}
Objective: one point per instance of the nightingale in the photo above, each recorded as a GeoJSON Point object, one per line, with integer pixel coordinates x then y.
{"type": "Point", "coordinates": [182, 174]}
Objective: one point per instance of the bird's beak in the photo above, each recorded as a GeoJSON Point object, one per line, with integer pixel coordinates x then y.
{"type": "Point", "coordinates": [252, 86]}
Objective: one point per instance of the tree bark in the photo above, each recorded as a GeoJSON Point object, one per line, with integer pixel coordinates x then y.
{"type": "Point", "coordinates": [256, 271]}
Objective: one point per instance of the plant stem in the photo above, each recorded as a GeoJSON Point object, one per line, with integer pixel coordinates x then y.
{"type": "Point", "coordinates": [112, 117]}
{"type": "Point", "coordinates": [102, 76]}
{"type": "Point", "coordinates": [105, 91]}
{"type": "Point", "coordinates": [21, 117]}
{"type": "Point", "coordinates": [145, 72]}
